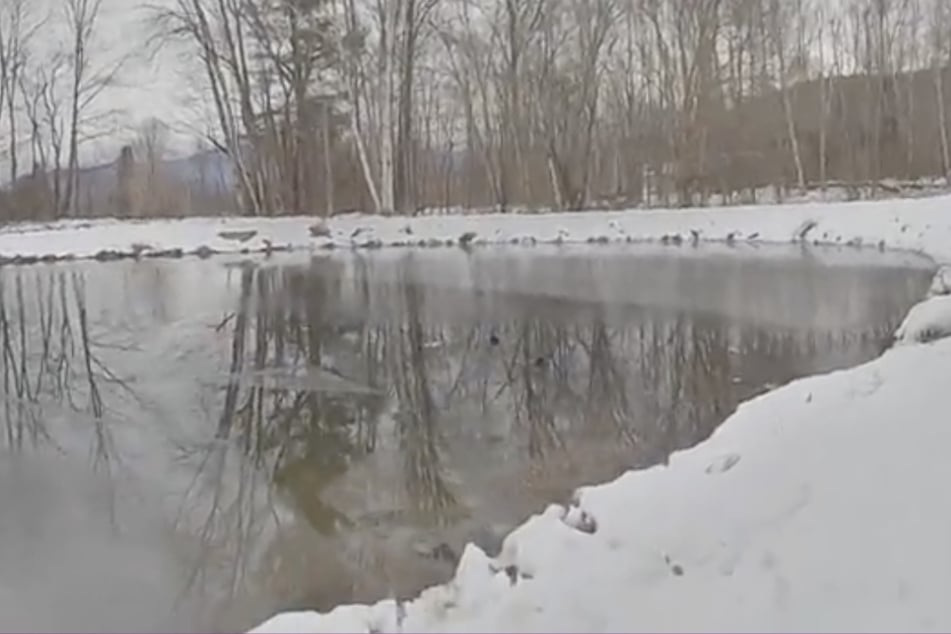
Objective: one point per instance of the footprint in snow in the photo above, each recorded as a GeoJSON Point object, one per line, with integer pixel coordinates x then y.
{"type": "Point", "coordinates": [723, 464]}
{"type": "Point", "coordinates": [676, 569]}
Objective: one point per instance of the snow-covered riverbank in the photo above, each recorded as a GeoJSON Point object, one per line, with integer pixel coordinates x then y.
{"type": "Point", "coordinates": [920, 224]}
{"type": "Point", "coordinates": [819, 506]}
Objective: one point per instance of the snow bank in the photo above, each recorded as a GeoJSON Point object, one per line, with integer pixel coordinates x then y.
{"type": "Point", "coordinates": [941, 285]}
{"type": "Point", "coordinates": [916, 225]}
{"type": "Point", "coordinates": [929, 320]}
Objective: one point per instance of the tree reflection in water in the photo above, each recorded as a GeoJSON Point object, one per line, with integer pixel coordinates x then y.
{"type": "Point", "coordinates": [506, 406]}
{"type": "Point", "coordinates": [49, 357]}
{"type": "Point", "coordinates": [337, 434]}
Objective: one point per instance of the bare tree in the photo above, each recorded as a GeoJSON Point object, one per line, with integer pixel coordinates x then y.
{"type": "Point", "coordinates": [17, 30]}
{"type": "Point", "coordinates": [778, 16]}
{"type": "Point", "coordinates": [400, 104]}
{"type": "Point", "coordinates": [940, 29]}
{"type": "Point", "coordinates": [81, 17]}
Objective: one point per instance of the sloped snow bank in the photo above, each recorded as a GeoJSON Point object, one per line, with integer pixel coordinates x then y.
{"type": "Point", "coordinates": [927, 321]}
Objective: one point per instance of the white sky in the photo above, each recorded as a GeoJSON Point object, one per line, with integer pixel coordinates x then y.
{"type": "Point", "coordinates": [150, 87]}
{"type": "Point", "coordinates": [147, 87]}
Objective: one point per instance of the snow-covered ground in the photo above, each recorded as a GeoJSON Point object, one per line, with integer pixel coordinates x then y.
{"type": "Point", "coordinates": [928, 321]}
{"type": "Point", "coordinates": [918, 225]}
{"type": "Point", "coordinates": [819, 506]}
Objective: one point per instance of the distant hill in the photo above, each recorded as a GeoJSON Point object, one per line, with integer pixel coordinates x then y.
{"type": "Point", "coordinates": [207, 173]}
{"type": "Point", "coordinates": [200, 183]}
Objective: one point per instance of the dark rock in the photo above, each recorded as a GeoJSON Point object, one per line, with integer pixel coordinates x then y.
{"type": "Point", "coordinates": [138, 248]}
{"type": "Point", "coordinates": [108, 255]}
{"type": "Point", "coordinates": [802, 232]}
{"type": "Point", "coordinates": [319, 230]}
{"type": "Point", "coordinates": [238, 236]}
{"type": "Point", "coordinates": [676, 569]}
{"type": "Point", "coordinates": [166, 253]}
{"type": "Point", "coordinates": [204, 252]}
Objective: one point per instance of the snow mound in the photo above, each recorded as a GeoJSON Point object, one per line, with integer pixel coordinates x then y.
{"type": "Point", "coordinates": [941, 285]}
{"type": "Point", "coordinates": [927, 321]}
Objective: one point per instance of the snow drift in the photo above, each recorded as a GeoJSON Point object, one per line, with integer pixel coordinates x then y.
{"type": "Point", "coordinates": [927, 321]}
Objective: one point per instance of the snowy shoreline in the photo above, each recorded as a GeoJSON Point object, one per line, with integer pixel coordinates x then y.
{"type": "Point", "coordinates": [918, 225]}
{"type": "Point", "coordinates": [818, 506]}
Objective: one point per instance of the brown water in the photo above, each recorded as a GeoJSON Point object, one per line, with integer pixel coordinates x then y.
{"type": "Point", "coordinates": [194, 444]}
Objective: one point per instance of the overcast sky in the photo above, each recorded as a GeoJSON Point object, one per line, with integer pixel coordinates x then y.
{"type": "Point", "coordinates": [149, 86]}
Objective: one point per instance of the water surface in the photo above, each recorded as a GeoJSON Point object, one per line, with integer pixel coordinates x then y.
{"type": "Point", "coordinates": [193, 445]}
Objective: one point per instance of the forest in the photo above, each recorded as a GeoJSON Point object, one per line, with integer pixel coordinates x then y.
{"type": "Point", "coordinates": [396, 106]}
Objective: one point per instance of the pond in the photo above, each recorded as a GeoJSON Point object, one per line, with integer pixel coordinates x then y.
{"type": "Point", "coordinates": [196, 444]}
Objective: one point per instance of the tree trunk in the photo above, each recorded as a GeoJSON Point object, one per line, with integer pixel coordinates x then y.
{"type": "Point", "coordinates": [942, 122]}
{"type": "Point", "coordinates": [328, 164]}
{"type": "Point", "coordinates": [388, 48]}
{"type": "Point", "coordinates": [823, 131]}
